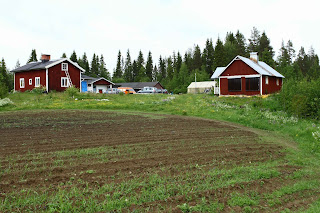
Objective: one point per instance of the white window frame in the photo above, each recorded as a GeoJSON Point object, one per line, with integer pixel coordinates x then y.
{"type": "Point", "coordinates": [64, 82]}
{"type": "Point", "coordinates": [64, 66]}
{"type": "Point", "coordinates": [267, 80]}
{"type": "Point", "coordinates": [37, 82]}
{"type": "Point", "coordinates": [21, 82]}
{"type": "Point", "coordinates": [277, 81]}
{"type": "Point", "coordinates": [30, 81]}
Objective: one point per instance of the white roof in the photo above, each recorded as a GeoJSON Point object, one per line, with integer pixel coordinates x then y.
{"type": "Point", "coordinates": [202, 84]}
{"type": "Point", "coordinates": [260, 67]}
{"type": "Point", "coordinates": [218, 72]}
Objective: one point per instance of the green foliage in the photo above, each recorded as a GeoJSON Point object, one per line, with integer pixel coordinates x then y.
{"type": "Point", "coordinates": [301, 98]}
{"type": "Point", "coordinates": [39, 90]}
{"type": "Point", "coordinates": [33, 56]}
{"type": "Point", "coordinates": [3, 90]}
{"type": "Point", "coordinates": [72, 91]}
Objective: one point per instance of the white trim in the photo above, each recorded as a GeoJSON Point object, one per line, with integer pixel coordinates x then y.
{"type": "Point", "coordinates": [47, 80]}
{"type": "Point", "coordinates": [64, 66]}
{"type": "Point", "coordinates": [219, 86]}
{"type": "Point", "coordinates": [102, 79]}
{"type": "Point", "coordinates": [65, 59]}
{"type": "Point", "coordinates": [80, 83]}
{"type": "Point", "coordinates": [22, 83]}
{"type": "Point", "coordinates": [266, 80]}
{"type": "Point", "coordinates": [277, 81]}
{"type": "Point", "coordinates": [66, 81]}
{"type": "Point", "coordinates": [260, 84]}
{"type": "Point", "coordinates": [240, 76]}
{"type": "Point", "coordinates": [14, 82]}
{"type": "Point", "coordinates": [30, 81]}
{"type": "Point", "coordinates": [35, 82]}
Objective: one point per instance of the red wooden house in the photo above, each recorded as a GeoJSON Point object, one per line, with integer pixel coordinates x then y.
{"type": "Point", "coordinates": [52, 74]}
{"type": "Point", "coordinates": [243, 76]}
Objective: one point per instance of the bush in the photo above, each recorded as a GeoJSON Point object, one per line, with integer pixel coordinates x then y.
{"type": "Point", "coordinates": [39, 90]}
{"type": "Point", "coordinates": [3, 90]}
{"type": "Point", "coordinates": [72, 91]}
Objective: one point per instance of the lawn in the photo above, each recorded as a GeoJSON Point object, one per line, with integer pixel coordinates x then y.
{"type": "Point", "coordinates": [167, 153]}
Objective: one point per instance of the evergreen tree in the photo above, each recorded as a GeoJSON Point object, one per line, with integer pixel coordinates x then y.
{"type": "Point", "coordinates": [169, 66]}
{"type": "Point", "coordinates": [74, 57]}
{"type": "Point", "coordinates": [128, 71]}
{"type": "Point", "coordinates": [155, 73]}
{"type": "Point", "coordinates": [230, 47]}
{"type": "Point", "coordinates": [162, 69]}
{"type": "Point", "coordinates": [149, 67]}
{"type": "Point", "coordinates": [254, 40]}
{"type": "Point", "coordinates": [264, 46]}
{"type": "Point", "coordinates": [208, 56]}
{"type": "Point", "coordinates": [188, 60]}
{"type": "Point", "coordinates": [219, 55]}
{"type": "Point", "coordinates": [4, 79]}
{"type": "Point", "coordinates": [118, 72]}
{"type": "Point", "coordinates": [17, 64]}
{"type": "Point", "coordinates": [84, 63]}
{"type": "Point", "coordinates": [135, 70]}
{"type": "Point", "coordinates": [196, 59]}
{"type": "Point", "coordinates": [178, 63]}
{"type": "Point", "coordinates": [140, 61]}
{"type": "Point", "coordinates": [33, 56]}
{"type": "Point", "coordinates": [103, 70]}
{"type": "Point", "coordinates": [64, 55]}
{"type": "Point", "coordinates": [94, 66]}
{"type": "Point", "coordinates": [241, 44]}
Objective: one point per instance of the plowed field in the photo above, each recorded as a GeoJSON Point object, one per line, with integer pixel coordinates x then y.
{"type": "Point", "coordinates": [99, 161]}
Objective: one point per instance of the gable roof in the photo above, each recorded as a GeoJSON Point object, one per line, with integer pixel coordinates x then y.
{"type": "Point", "coordinates": [260, 67]}
{"type": "Point", "coordinates": [202, 84]}
{"type": "Point", "coordinates": [92, 80]}
{"type": "Point", "coordinates": [45, 65]}
{"type": "Point", "coordinates": [139, 85]}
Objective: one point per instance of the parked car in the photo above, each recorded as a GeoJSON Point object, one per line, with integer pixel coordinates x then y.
{"type": "Point", "coordinates": [113, 91]}
{"type": "Point", "coordinates": [163, 91]}
{"type": "Point", "coordinates": [148, 90]}
{"type": "Point", "coordinates": [127, 90]}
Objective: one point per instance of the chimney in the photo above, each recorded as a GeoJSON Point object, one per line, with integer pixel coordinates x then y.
{"type": "Point", "coordinates": [254, 56]}
{"type": "Point", "coordinates": [45, 57]}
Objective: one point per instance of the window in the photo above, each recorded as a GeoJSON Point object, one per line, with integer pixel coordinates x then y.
{"type": "Point", "coordinates": [267, 80]}
{"type": "Point", "coordinates": [37, 82]}
{"type": "Point", "coordinates": [21, 82]}
{"type": "Point", "coordinates": [277, 81]}
{"type": "Point", "coordinates": [252, 84]}
{"type": "Point", "coordinates": [234, 84]}
{"type": "Point", "coordinates": [64, 66]}
{"type": "Point", "coordinates": [64, 82]}
{"type": "Point", "coordinates": [30, 81]}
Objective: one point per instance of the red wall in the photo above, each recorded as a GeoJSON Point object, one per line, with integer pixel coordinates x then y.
{"type": "Point", "coordinates": [272, 87]}
{"type": "Point", "coordinates": [238, 67]}
{"type": "Point", "coordinates": [224, 88]}
{"type": "Point", "coordinates": [55, 73]}
{"type": "Point", "coordinates": [102, 82]}
{"type": "Point", "coordinates": [27, 75]}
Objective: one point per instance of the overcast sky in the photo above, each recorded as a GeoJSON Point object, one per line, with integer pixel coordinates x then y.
{"type": "Point", "coordinates": [161, 26]}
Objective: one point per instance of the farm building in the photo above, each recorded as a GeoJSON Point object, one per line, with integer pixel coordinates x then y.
{"type": "Point", "coordinates": [52, 74]}
{"type": "Point", "coordinates": [139, 85]}
{"type": "Point", "coordinates": [95, 85]}
{"type": "Point", "coordinates": [244, 76]}
{"type": "Point", "coordinates": [201, 87]}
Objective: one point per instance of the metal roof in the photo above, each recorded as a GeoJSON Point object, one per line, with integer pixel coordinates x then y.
{"type": "Point", "coordinates": [217, 72]}
{"type": "Point", "coordinates": [92, 80]}
{"type": "Point", "coordinates": [202, 84]}
{"type": "Point", "coordinates": [260, 67]}
{"type": "Point", "coordinates": [45, 65]}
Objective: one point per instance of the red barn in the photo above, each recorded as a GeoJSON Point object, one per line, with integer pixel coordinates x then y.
{"type": "Point", "coordinates": [52, 74]}
{"type": "Point", "coordinates": [243, 76]}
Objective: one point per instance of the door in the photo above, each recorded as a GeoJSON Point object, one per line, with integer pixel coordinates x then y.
{"type": "Point", "coordinates": [100, 90]}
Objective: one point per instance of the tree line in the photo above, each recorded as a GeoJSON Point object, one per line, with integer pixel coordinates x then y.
{"type": "Point", "coordinates": [177, 71]}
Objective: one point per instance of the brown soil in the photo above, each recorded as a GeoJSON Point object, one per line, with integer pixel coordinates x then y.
{"type": "Point", "coordinates": [134, 145]}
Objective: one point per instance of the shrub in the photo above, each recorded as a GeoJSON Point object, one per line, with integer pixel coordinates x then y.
{"type": "Point", "coordinates": [39, 90]}
{"type": "Point", "coordinates": [72, 91]}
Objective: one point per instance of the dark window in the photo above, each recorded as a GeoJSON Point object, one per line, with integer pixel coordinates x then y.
{"type": "Point", "coordinates": [252, 84]}
{"type": "Point", "coordinates": [234, 84]}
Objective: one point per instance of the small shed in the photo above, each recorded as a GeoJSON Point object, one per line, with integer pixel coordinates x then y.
{"type": "Point", "coordinates": [201, 87]}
